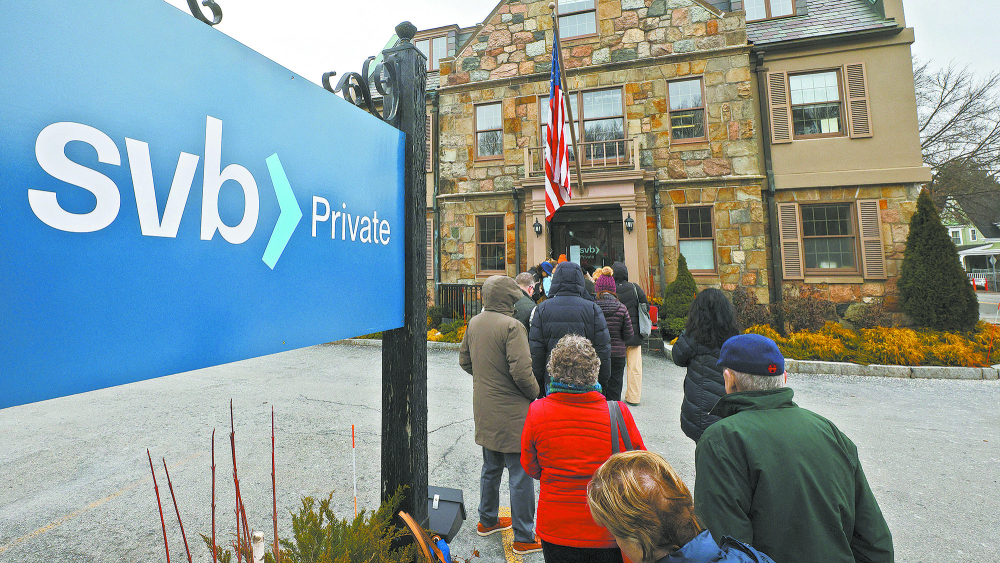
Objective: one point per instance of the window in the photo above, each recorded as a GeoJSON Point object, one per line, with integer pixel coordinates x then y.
{"type": "Point", "coordinates": [491, 243]}
{"type": "Point", "coordinates": [764, 9]}
{"type": "Point", "coordinates": [489, 131]}
{"type": "Point", "coordinates": [828, 237]}
{"type": "Point", "coordinates": [434, 49]}
{"type": "Point", "coordinates": [577, 17]}
{"type": "Point", "coordinates": [972, 235]}
{"type": "Point", "coordinates": [687, 110]}
{"type": "Point", "coordinates": [695, 238]}
{"type": "Point", "coordinates": [430, 249]}
{"type": "Point", "coordinates": [601, 120]}
{"type": "Point", "coordinates": [956, 236]}
{"type": "Point", "coordinates": [816, 108]}
{"type": "Point", "coordinates": [831, 238]}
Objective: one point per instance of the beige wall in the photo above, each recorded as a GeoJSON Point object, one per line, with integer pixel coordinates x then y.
{"type": "Point", "coordinates": [891, 155]}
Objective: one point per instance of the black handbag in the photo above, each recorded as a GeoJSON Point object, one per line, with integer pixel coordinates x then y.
{"type": "Point", "coordinates": [618, 428]}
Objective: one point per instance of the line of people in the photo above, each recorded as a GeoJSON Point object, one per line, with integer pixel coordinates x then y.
{"type": "Point", "coordinates": [772, 478]}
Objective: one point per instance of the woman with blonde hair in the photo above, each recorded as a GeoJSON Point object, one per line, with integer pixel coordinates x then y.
{"type": "Point", "coordinates": [640, 499]}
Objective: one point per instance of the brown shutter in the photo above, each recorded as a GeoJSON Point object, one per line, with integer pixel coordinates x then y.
{"type": "Point", "coordinates": [429, 145]}
{"type": "Point", "coordinates": [780, 107]}
{"type": "Point", "coordinates": [872, 251]}
{"type": "Point", "coordinates": [791, 242]}
{"type": "Point", "coordinates": [430, 249]}
{"type": "Point", "coordinates": [859, 123]}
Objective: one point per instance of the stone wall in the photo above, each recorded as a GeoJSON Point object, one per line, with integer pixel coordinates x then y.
{"type": "Point", "coordinates": [898, 204]}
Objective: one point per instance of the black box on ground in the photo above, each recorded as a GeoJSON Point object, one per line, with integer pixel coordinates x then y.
{"type": "Point", "coordinates": [445, 511]}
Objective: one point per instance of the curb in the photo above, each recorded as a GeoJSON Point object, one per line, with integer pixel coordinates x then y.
{"type": "Point", "coordinates": [372, 343]}
{"type": "Point", "coordinates": [878, 370]}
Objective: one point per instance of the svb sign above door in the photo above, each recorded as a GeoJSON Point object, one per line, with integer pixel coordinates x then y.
{"type": "Point", "coordinates": [171, 200]}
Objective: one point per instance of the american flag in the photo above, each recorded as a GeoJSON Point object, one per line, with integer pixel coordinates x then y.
{"type": "Point", "coordinates": [557, 190]}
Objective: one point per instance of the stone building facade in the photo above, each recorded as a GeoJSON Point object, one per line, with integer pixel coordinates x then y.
{"type": "Point", "coordinates": [665, 106]}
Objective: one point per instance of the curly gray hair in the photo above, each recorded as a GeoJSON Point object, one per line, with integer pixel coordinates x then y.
{"type": "Point", "coordinates": [574, 362]}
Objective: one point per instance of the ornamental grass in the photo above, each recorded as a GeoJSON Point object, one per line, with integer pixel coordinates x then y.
{"type": "Point", "coordinates": [890, 345]}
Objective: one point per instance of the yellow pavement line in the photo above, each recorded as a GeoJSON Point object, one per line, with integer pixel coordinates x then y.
{"type": "Point", "coordinates": [90, 506]}
{"type": "Point", "coordinates": [508, 539]}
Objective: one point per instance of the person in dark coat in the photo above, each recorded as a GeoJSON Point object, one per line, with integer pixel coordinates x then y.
{"type": "Point", "coordinates": [566, 311]}
{"type": "Point", "coordinates": [524, 305]}
{"type": "Point", "coordinates": [620, 329]}
{"type": "Point", "coordinates": [543, 280]}
{"type": "Point", "coordinates": [633, 297]}
{"type": "Point", "coordinates": [780, 477]}
{"type": "Point", "coordinates": [711, 320]}
{"type": "Point", "coordinates": [642, 501]}
{"type": "Point", "coordinates": [588, 280]}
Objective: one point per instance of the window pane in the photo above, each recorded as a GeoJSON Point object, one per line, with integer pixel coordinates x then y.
{"type": "Point", "coordinates": [688, 124]}
{"type": "Point", "coordinates": [491, 257]}
{"type": "Point", "coordinates": [829, 252]}
{"type": "Point", "coordinates": [755, 9]}
{"type": "Point", "coordinates": [567, 6]}
{"type": "Point", "coordinates": [440, 50]}
{"type": "Point", "coordinates": [698, 253]}
{"type": "Point", "coordinates": [424, 46]}
{"type": "Point", "coordinates": [488, 117]}
{"type": "Point", "coordinates": [602, 103]}
{"type": "Point", "coordinates": [816, 119]}
{"type": "Point", "coordinates": [491, 228]}
{"type": "Point", "coordinates": [583, 23]}
{"type": "Point", "coordinates": [780, 8]}
{"type": "Point", "coordinates": [544, 108]}
{"type": "Point", "coordinates": [603, 130]}
{"type": "Point", "coordinates": [685, 94]}
{"type": "Point", "coordinates": [490, 143]}
{"type": "Point", "coordinates": [826, 220]}
{"type": "Point", "coordinates": [814, 88]}
{"type": "Point", "coordinates": [694, 222]}
{"type": "Point", "coordinates": [956, 237]}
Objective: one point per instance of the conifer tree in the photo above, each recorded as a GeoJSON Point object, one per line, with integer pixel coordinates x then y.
{"type": "Point", "coordinates": [677, 301]}
{"type": "Point", "coordinates": [934, 289]}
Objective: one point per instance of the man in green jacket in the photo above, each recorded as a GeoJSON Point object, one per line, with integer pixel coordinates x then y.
{"type": "Point", "coordinates": [781, 478]}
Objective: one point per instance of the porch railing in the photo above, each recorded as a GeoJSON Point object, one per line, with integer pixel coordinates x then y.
{"type": "Point", "coordinates": [597, 155]}
{"type": "Point", "coordinates": [459, 300]}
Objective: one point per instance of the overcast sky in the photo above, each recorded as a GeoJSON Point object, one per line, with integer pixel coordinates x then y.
{"type": "Point", "coordinates": [314, 36]}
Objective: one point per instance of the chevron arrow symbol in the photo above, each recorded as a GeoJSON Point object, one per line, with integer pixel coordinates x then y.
{"type": "Point", "coordinates": [290, 214]}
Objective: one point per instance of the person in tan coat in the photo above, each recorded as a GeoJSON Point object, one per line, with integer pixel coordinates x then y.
{"type": "Point", "coordinates": [495, 351]}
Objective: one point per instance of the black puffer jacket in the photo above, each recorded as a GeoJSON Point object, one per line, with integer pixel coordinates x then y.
{"type": "Point", "coordinates": [631, 295]}
{"type": "Point", "coordinates": [703, 386]}
{"type": "Point", "coordinates": [566, 311]}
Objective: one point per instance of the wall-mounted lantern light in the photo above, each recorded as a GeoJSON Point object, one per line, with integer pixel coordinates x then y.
{"type": "Point", "coordinates": [538, 228]}
{"type": "Point", "coordinates": [629, 223]}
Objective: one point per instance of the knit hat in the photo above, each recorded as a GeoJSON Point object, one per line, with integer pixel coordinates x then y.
{"type": "Point", "coordinates": [605, 283]}
{"type": "Point", "coordinates": [753, 354]}
{"type": "Point", "coordinates": [562, 258]}
{"type": "Point", "coordinates": [547, 266]}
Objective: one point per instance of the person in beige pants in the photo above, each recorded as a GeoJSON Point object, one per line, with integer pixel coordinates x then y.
{"type": "Point", "coordinates": [632, 296]}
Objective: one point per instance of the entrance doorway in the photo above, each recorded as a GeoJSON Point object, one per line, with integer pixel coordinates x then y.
{"type": "Point", "coordinates": [589, 235]}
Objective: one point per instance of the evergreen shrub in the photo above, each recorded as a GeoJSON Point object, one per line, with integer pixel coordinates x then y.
{"type": "Point", "coordinates": [677, 301]}
{"type": "Point", "coordinates": [933, 287]}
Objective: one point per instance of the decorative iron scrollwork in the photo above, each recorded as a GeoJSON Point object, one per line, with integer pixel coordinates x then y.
{"type": "Point", "coordinates": [355, 88]}
{"type": "Point", "coordinates": [196, 11]}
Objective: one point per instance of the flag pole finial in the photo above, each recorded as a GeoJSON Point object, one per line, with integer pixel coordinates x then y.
{"type": "Point", "coordinates": [552, 5]}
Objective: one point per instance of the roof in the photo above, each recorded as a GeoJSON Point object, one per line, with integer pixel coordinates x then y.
{"type": "Point", "coordinates": [824, 18]}
{"type": "Point", "coordinates": [983, 210]}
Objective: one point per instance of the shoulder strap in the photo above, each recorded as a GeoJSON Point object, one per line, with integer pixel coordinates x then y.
{"type": "Point", "coordinates": [618, 428]}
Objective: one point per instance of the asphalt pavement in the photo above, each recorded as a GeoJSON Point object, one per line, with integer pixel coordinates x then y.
{"type": "Point", "coordinates": [75, 482]}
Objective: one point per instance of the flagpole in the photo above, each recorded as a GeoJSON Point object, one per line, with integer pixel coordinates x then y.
{"type": "Point", "coordinates": [577, 155]}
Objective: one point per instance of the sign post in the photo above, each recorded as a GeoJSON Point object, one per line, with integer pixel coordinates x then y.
{"type": "Point", "coordinates": [404, 350]}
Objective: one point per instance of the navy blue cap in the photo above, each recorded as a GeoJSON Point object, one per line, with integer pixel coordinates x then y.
{"type": "Point", "coordinates": [753, 354]}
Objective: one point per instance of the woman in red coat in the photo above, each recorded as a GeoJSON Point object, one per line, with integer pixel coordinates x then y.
{"type": "Point", "coordinates": [566, 437]}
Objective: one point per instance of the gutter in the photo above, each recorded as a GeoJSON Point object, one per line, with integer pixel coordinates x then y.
{"type": "Point", "coordinates": [659, 237]}
{"type": "Point", "coordinates": [436, 242]}
{"type": "Point", "coordinates": [774, 285]}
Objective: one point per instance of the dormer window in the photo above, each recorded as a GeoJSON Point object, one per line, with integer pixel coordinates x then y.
{"type": "Point", "coordinates": [435, 49]}
{"type": "Point", "coordinates": [767, 9]}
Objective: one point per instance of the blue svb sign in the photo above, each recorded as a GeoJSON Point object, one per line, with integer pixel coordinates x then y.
{"type": "Point", "coordinates": [171, 200]}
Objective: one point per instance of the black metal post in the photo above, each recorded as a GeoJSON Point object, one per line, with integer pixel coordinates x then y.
{"type": "Point", "coordinates": [404, 350]}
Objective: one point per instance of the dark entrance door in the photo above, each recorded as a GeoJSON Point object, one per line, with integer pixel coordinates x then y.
{"type": "Point", "coordinates": [589, 236]}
